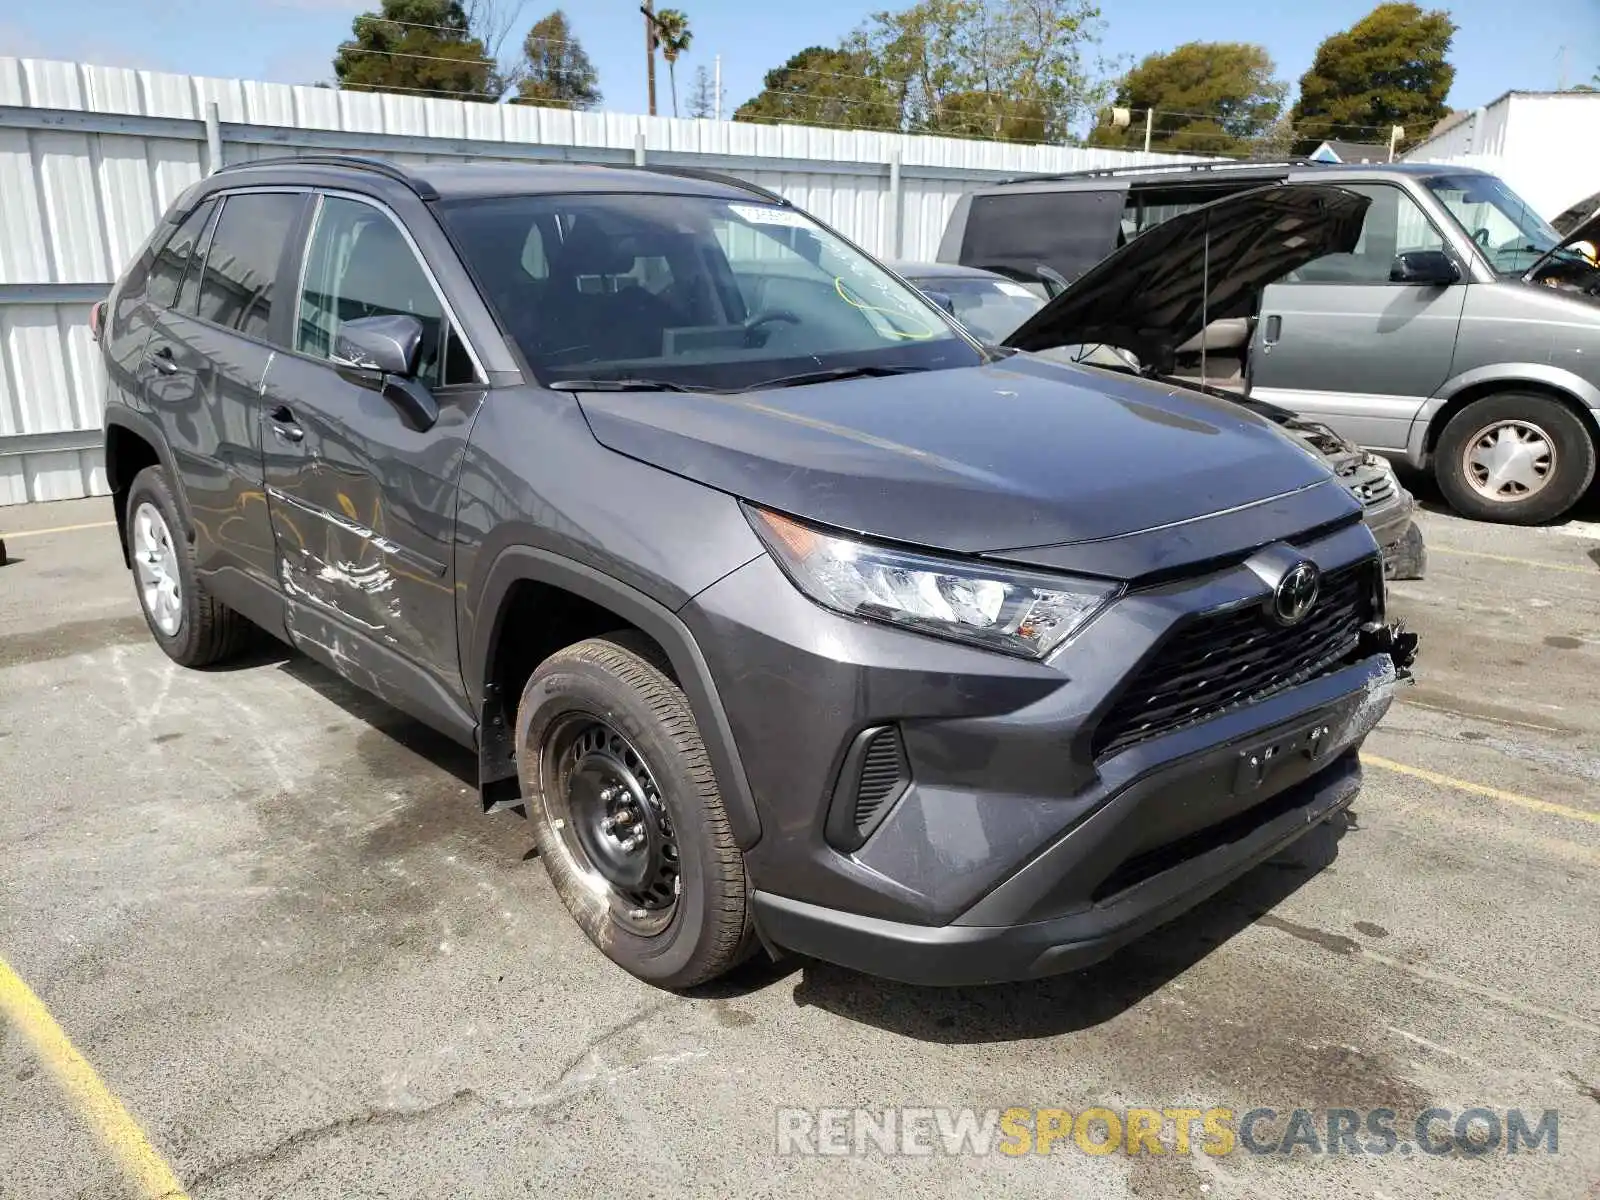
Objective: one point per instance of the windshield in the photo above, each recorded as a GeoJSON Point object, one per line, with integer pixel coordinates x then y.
{"type": "Point", "coordinates": [691, 291]}
{"type": "Point", "coordinates": [1511, 235]}
{"type": "Point", "coordinates": [990, 308]}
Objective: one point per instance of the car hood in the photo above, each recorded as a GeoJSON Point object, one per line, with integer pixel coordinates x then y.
{"type": "Point", "coordinates": [1019, 453]}
{"type": "Point", "coordinates": [1151, 296]}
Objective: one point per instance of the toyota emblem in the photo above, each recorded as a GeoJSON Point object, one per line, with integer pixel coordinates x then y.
{"type": "Point", "coordinates": [1297, 593]}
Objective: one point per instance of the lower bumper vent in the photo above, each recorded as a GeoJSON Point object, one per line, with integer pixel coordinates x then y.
{"type": "Point", "coordinates": [875, 774]}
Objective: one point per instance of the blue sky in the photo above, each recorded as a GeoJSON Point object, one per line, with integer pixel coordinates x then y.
{"type": "Point", "coordinates": [1501, 45]}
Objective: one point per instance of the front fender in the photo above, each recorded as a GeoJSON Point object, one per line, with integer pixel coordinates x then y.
{"type": "Point", "coordinates": [1510, 374]}
{"type": "Point", "coordinates": [516, 564]}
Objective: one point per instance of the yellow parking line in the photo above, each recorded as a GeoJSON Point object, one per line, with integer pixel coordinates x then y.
{"type": "Point", "coordinates": [99, 1108]}
{"type": "Point", "coordinates": [1520, 562]}
{"type": "Point", "coordinates": [27, 533]}
{"type": "Point", "coordinates": [1478, 789]}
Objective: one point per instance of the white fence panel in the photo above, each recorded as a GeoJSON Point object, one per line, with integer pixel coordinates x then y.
{"type": "Point", "coordinates": [91, 156]}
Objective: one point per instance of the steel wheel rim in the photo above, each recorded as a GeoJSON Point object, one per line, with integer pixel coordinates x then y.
{"type": "Point", "coordinates": [1509, 461]}
{"type": "Point", "coordinates": [155, 563]}
{"type": "Point", "coordinates": [612, 827]}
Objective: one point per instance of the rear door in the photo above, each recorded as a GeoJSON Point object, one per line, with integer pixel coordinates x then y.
{"type": "Point", "coordinates": [1016, 232]}
{"type": "Point", "coordinates": [205, 360]}
{"type": "Point", "coordinates": [362, 502]}
{"type": "Point", "coordinates": [1338, 342]}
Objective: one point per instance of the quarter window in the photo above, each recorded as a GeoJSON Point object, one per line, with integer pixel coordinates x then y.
{"type": "Point", "coordinates": [242, 264]}
{"type": "Point", "coordinates": [1394, 225]}
{"type": "Point", "coordinates": [166, 274]}
{"type": "Point", "coordinates": [360, 265]}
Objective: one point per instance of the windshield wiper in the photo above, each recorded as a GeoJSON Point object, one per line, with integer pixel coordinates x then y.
{"type": "Point", "coordinates": [624, 384]}
{"type": "Point", "coordinates": [830, 374]}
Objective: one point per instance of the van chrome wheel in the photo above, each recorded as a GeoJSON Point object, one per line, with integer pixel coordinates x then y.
{"type": "Point", "coordinates": [602, 799]}
{"type": "Point", "coordinates": [1509, 460]}
{"type": "Point", "coordinates": [155, 561]}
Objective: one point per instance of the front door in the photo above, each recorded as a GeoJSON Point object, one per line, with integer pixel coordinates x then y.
{"type": "Point", "coordinates": [362, 502]}
{"type": "Point", "coordinates": [1339, 343]}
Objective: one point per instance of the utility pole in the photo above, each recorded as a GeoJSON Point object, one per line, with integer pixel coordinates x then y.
{"type": "Point", "coordinates": [1149, 121]}
{"type": "Point", "coordinates": [718, 86]}
{"type": "Point", "coordinates": [648, 8]}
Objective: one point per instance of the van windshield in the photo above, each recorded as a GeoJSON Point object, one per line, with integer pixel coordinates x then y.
{"type": "Point", "coordinates": [1511, 235]}
{"type": "Point", "coordinates": [691, 292]}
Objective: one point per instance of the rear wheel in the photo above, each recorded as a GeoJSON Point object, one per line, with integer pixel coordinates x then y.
{"type": "Point", "coordinates": [627, 815]}
{"type": "Point", "coordinates": [1515, 457]}
{"type": "Point", "coordinates": [189, 624]}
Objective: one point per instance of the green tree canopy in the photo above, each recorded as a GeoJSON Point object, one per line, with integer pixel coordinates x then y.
{"type": "Point", "coordinates": [819, 86]}
{"type": "Point", "coordinates": [1012, 69]}
{"type": "Point", "coordinates": [673, 35]}
{"type": "Point", "coordinates": [1389, 68]}
{"type": "Point", "coordinates": [1209, 98]}
{"type": "Point", "coordinates": [555, 72]}
{"type": "Point", "coordinates": [423, 47]}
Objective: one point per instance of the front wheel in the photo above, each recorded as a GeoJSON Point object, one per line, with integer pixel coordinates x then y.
{"type": "Point", "coordinates": [627, 815]}
{"type": "Point", "coordinates": [1515, 457]}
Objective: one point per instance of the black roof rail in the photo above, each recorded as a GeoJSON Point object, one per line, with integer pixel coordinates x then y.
{"type": "Point", "coordinates": [710, 177]}
{"type": "Point", "coordinates": [357, 162]}
{"type": "Point", "coordinates": [1178, 168]}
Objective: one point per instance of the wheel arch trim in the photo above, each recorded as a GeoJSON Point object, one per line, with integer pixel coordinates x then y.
{"type": "Point", "coordinates": [119, 416]}
{"type": "Point", "coordinates": [518, 564]}
{"type": "Point", "coordinates": [1541, 376]}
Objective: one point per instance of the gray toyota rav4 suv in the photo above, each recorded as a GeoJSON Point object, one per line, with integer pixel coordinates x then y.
{"type": "Point", "coordinates": [1460, 333]}
{"type": "Point", "coordinates": [792, 615]}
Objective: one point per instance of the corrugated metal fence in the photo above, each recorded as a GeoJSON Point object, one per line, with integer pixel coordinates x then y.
{"type": "Point", "coordinates": [90, 156]}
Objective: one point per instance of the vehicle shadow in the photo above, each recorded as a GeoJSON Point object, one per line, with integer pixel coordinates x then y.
{"type": "Point", "coordinates": [1081, 1000]}
{"type": "Point", "coordinates": [1422, 487]}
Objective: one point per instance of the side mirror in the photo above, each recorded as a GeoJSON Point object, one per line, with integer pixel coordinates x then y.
{"type": "Point", "coordinates": [942, 299]}
{"type": "Point", "coordinates": [1430, 268]}
{"type": "Point", "coordinates": [392, 347]}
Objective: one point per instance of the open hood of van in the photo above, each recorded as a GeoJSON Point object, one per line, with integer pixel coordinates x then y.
{"type": "Point", "coordinates": [1208, 264]}
{"type": "Point", "coordinates": [1578, 229]}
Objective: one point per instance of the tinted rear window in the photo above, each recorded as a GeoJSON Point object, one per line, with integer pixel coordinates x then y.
{"type": "Point", "coordinates": [173, 258]}
{"type": "Point", "coordinates": [1016, 232]}
{"type": "Point", "coordinates": [242, 264]}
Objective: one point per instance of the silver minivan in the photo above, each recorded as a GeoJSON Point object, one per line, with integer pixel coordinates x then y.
{"type": "Point", "coordinates": [1461, 333]}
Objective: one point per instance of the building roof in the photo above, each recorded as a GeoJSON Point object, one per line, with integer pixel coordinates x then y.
{"type": "Point", "coordinates": [1352, 152]}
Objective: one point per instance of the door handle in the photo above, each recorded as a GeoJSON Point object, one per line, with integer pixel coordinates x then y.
{"type": "Point", "coordinates": [161, 359]}
{"type": "Point", "coordinates": [283, 425]}
{"type": "Point", "coordinates": [1274, 330]}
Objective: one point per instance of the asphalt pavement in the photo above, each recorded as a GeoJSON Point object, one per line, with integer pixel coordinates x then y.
{"type": "Point", "coordinates": [267, 913]}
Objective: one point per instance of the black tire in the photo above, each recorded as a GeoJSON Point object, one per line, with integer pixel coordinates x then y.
{"type": "Point", "coordinates": [621, 684]}
{"type": "Point", "coordinates": [1571, 472]}
{"type": "Point", "coordinates": [208, 631]}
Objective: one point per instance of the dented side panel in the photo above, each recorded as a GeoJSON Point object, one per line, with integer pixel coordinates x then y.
{"type": "Point", "coordinates": [363, 509]}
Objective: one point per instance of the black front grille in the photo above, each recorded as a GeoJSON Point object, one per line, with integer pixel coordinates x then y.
{"type": "Point", "coordinates": [1221, 660]}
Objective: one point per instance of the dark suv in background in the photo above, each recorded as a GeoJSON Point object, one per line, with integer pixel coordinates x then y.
{"type": "Point", "coordinates": [790, 612]}
{"type": "Point", "coordinates": [1459, 333]}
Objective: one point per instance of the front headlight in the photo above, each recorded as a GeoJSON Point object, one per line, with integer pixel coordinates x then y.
{"type": "Point", "coordinates": [1019, 612]}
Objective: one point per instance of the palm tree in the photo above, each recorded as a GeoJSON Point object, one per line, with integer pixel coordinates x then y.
{"type": "Point", "coordinates": [673, 36]}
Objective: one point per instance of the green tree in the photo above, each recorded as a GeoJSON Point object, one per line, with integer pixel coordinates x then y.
{"type": "Point", "coordinates": [1389, 68]}
{"type": "Point", "coordinates": [989, 68]}
{"type": "Point", "coordinates": [673, 36]}
{"type": "Point", "coordinates": [555, 72]}
{"type": "Point", "coordinates": [424, 47]}
{"type": "Point", "coordinates": [1209, 98]}
{"type": "Point", "coordinates": [819, 86]}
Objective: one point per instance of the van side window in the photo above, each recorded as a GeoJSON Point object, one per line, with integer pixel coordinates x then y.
{"type": "Point", "coordinates": [359, 265]}
{"type": "Point", "coordinates": [166, 273]}
{"type": "Point", "coordinates": [1394, 225]}
{"type": "Point", "coordinates": [242, 264]}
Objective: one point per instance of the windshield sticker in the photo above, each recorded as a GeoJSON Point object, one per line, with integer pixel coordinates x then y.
{"type": "Point", "coordinates": [761, 214]}
{"type": "Point", "coordinates": [1015, 289]}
